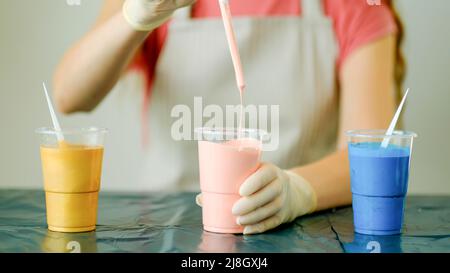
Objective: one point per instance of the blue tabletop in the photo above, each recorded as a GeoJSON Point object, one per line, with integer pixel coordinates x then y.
{"type": "Point", "coordinates": [159, 222]}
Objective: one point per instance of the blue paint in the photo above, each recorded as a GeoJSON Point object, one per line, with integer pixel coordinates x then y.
{"type": "Point", "coordinates": [379, 180]}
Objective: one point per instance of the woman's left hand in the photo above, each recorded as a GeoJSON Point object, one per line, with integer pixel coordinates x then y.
{"type": "Point", "coordinates": [272, 196]}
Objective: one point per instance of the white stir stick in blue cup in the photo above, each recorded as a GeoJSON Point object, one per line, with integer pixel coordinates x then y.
{"type": "Point", "coordinates": [56, 126]}
{"type": "Point", "coordinates": [391, 128]}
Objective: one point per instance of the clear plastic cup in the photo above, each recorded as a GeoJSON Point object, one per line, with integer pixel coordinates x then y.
{"type": "Point", "coordinates": [226, 158]}
{"type": "Point", "coordinates": [71, 171]}
{"type": "Point", "coordinates": [379, 180]}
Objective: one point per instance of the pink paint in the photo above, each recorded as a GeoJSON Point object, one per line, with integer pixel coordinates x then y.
{"type": "Point", "coordinates": [241, 114]}
{"type": "Point", "coordinates": [223, 169]}
{"type": "Point", "coordinates": [225, 166]}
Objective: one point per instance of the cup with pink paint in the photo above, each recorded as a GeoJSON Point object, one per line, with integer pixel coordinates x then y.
{"type": "Point", "coordinates": [226, 158]}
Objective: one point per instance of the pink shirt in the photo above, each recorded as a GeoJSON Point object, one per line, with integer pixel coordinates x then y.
{"type": "Point", "coordinates": [356, 23]}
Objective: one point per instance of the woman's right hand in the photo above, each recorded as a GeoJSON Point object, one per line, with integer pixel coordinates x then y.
{"type": "Point", "coordinates": [147, 15]}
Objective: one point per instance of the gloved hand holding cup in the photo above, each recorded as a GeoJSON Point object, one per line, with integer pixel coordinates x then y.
{"type": "Point", "coordinates": [271, 197]}
{"type": "Point", "coordinates": [242, 195]}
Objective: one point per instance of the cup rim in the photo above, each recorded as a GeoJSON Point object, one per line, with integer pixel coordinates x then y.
{"type": "Point", "coordinates": [71, 131]}
{"type": "Point", "coordinates": [378, 133]}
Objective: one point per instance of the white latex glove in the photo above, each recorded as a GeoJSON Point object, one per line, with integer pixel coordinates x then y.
{"type": "Point", "coordinates": [271, 197]}
{"type": "Point", "coordinates": [147, 15]}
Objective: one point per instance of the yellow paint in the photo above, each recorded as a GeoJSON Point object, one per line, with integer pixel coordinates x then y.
{"type": "Point", "coordinates": [71, 182]}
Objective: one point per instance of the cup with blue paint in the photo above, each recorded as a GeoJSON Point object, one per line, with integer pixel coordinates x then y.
{"type": "Point", "coordinates": [379, 179]}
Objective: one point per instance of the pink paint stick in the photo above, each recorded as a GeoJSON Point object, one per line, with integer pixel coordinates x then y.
{"type": "Point", "coordinates": [231, 37]}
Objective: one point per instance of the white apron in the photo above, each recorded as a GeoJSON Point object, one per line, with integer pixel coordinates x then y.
{"type": "Point", "coordinates": [287, 61]}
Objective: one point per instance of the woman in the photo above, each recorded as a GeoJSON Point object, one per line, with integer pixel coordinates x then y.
{"type": "Point", "coordinates": [331, 65]}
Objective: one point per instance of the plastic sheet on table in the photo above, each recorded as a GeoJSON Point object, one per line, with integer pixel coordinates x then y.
{"type": "Point", "coordinates": [157, 222]}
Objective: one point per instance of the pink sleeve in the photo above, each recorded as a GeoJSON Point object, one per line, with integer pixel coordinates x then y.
{"type": "Point", "coordinates": [357, 23]}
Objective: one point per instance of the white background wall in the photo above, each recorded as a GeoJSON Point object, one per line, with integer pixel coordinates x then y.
{"type": "Point", "coordinates": [35, 33]}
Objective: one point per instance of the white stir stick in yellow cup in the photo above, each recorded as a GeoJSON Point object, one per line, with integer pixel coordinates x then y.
{"type": "Point", "coordinates": [59, 134]}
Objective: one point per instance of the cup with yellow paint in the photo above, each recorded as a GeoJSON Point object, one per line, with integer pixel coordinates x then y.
{"type": "Point", "coordinates": [71, 167]}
